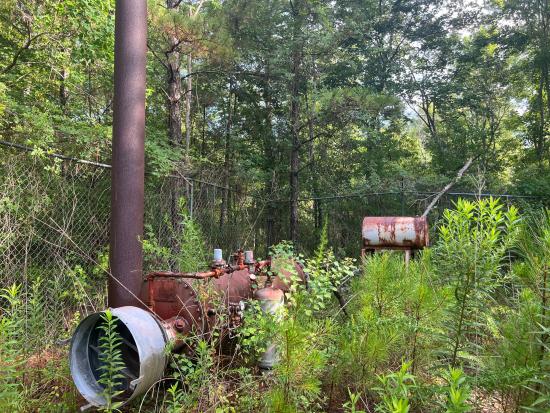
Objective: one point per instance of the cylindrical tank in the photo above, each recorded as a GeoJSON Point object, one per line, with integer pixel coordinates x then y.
{"type": "Point", "coordinates": [395, 232]}
{"type": "Point", "coordinates": [271, 300]}
{"type": "Point", "coordinates": [287, 271]}
{"type": "Point", "coordinates": [143, 342]}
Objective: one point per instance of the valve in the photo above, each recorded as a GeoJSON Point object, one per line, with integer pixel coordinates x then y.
{"type": "Point", "coordinates": [218, 260]}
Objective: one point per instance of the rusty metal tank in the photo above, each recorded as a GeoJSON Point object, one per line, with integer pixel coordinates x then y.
{"type": "Point", "coordinates": [287, 271]}
{"type": "Point", "coordinates": [395, 232]}
{"type": "Point", "coordinates": [196, 302]}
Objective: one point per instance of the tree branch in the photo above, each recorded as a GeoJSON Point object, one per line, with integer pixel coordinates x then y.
{"type": "Point", "coordinates": [18, 54]}
{"type": "Point", "coordinates": [448, 186]}
{"type": "Point", "coordinates": [157, 56]}
{"type": "Point", "coordinates": [302, 143]}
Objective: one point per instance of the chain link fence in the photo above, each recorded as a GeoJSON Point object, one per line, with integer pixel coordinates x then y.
{"type": "Point", "coordinates": [54, 230]}
{"type": "Point", "coordinates": [344, 213]}
{"type": "Point", "coordinates": [54, 219]}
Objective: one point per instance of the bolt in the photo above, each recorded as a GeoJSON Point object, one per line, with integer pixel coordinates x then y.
{"type": "Point", "coordinates": [179, 324]}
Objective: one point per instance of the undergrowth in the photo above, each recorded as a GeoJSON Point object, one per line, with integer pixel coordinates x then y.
{"type": "Point", "coordinates": [463, 327]}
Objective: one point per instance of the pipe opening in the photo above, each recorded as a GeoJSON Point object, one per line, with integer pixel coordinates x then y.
{"type": "Point", "coordinates": [143, 342]}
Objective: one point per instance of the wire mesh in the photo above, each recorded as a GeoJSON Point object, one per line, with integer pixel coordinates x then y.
{"type": "Point", "coordinates": [54, 230]}
{"type": "Point", "coordinates": [54, 227]}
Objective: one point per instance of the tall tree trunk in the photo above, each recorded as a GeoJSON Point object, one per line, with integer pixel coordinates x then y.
{"type": "Point", "coordinates": [294, 153]}
{"type": "Point", "coordinates": [174, 84]}
{"type": "Point", "coordinates": [63, 92]}
{"type": "Point", "coordinates": [188, 97]}
{"type": "Point", "coordinates": [539, 141]}
{"type": "Point", "coordinates": [547, 93]}
{"type": "Point", "coordinates": [295, 87]}
{"type": "Point", "coordinates": [317, 213]}
{"type": "Point", "coordinates": [269, 183]}
{"type": "Point", "coordinates": [203, 143]}
{"type": "Point", "coordinates": [89, 93]}
{"type": "Point", "coordinates": [173, 102]}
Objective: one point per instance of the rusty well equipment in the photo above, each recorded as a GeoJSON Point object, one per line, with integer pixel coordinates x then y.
{"type": "Point", "coordinates": [177, 305]}
{"type": "Point", "coordinates": [155, 312]}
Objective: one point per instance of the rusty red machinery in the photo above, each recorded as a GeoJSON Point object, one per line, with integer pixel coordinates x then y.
{"type": "Point", "coordinates": [175, 297]}
{"type": "Point", "coordinates": [176, 306]}
{"type": "Point", "coordinates": [407, 234]}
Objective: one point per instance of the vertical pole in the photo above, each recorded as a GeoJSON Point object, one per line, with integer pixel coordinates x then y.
{"type": "Point", "coordinates": [127, 176]}
{"type": "Point", "coordinates": [191, 200]}
{"type": "Point", "coordinates": [407, 257]}
{"type": "Point", "coordinates": [402, 197]}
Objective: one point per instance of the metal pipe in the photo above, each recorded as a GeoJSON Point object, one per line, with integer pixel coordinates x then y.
{"type": "Point", "coordinates": [127, 192]}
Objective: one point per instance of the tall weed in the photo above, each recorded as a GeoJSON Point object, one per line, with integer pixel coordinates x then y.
{"type": "Point", "coordinates": [474, 241]}
{"type": "Point", "coordinates": [11, 360]}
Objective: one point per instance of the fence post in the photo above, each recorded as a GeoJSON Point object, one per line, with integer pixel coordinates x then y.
{"type": "Point", "coordinates": [191, 200]}
{"type": "Point", "coordinates": [402, 197]}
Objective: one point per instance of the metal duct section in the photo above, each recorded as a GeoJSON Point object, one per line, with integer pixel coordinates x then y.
{"type": "Point", "coordinates": [142, 339]}
{"type": "Point", "coordinates": [127, 179]}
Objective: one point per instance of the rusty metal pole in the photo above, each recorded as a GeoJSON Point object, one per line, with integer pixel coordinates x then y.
{"type": "Point", "coordinates": [127, 176]}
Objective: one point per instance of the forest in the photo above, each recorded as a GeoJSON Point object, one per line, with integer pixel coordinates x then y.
{"type": "Point", "coordinates": [277, 126]}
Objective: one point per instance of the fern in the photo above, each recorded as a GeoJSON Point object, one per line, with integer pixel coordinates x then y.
{"type": "Point", "coordinates": [10, 360]}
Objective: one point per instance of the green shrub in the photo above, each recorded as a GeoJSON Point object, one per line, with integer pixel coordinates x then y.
{"type": "Point", "coordinates": [520, 359]}
{"type": "Point", "coordinates": [11, 360]}
{"type": "Point", "coordinates": [395, 312]}
{"type": "Point", "coordinates": [474, 240]}
{"type": "Point", "coordinates": [191, 253]}
{"type": "Point", "coordinates": [458, 392]}
{"type": "Point", "coordinates": [396, 390]}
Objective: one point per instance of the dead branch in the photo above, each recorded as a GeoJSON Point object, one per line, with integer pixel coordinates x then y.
{"type": "Point", "coordinates": [448, 186]}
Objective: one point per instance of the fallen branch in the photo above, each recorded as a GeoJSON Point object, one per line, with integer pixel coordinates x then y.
{"type": "Point", "coordinates": [448, 186]}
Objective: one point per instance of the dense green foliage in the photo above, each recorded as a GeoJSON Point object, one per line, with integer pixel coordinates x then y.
{"type": "Point", "coordinates": [283, 104]}
{"type": "Point", "coordinates": [347, 96]}
{"type": "Point", "coordinates": [414, 338]}
{"type": "Point", "coordinates": [111, 363]}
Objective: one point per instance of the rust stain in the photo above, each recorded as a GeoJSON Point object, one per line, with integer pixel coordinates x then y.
{"type": "Point", "coordinates": [172, 296]}
{"type": "Point", "coordinates": [395, 232]}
